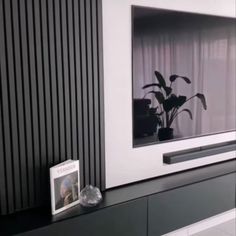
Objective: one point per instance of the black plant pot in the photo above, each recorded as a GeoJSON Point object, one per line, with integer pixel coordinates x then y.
{"type": "Point", "coordinates": [165, 134]}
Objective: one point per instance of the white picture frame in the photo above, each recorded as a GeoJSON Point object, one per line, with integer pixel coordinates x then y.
{"type": "Point", "coordinates": [65, 173]}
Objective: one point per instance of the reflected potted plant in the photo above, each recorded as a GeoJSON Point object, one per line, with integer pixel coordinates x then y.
{"type": "Point", "coordinates": [145, 120]}
{"type": "Point", "coordinates": [169, 104]}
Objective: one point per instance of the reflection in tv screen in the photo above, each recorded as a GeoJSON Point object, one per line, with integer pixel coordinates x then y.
{"type": "Point", "coordinates": [184, 75]}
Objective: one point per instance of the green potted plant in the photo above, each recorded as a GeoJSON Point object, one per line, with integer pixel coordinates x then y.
{"type": "Point", "coordinates": [169, 104]}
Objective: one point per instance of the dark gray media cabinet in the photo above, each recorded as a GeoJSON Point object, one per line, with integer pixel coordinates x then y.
{"type": "Point", "coordinates": [148, 208]}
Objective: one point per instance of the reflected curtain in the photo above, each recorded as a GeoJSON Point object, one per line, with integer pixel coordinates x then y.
{"type": "Point", "coordinates": [207, 56]}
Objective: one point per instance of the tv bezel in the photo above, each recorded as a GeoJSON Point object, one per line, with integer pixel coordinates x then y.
{"type": "Point", "coordinates": [132, 39]}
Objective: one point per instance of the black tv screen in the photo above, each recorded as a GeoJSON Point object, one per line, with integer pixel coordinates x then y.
{"type": "Point", "coordinates": [184, 75]}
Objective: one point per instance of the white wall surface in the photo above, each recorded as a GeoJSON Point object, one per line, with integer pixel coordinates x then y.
{"type": "Point", "coordinates": [125, 164]}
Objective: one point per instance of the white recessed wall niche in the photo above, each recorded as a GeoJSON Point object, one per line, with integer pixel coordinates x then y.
{"type": "Point", "coordinates": [124, 163]}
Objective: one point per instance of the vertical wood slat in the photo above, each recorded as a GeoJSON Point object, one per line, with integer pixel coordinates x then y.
{"type": "Point", "coordinates": [34, 95]}
{"type": "Point", "coordinates": [48, 159]}
{"type": "Point", "coordinates": [84, 92]}
{"type": "Point", "coordinates": [51, 97]}
{"type": "Point", "coordinates": [3, 192]}
{"type": "Point", "coordinates": [66, 78]}
{"type": "Point", "coordinates": [41, 162]}
{"type": "Point", "coordinates": [12, 99]}
{"type": "Point", "coordinates": [27, 100]}
{"type": "Point", "coordinates": [47, 81]}
{"type": "Point", "coordinates": [6, 115]}
{"type": "Point", "coordinates": [78, 84]}
{"type": "Point", "coordinates": [71, 49]}
{"type": "Point", "coordinates": [89, 51]}
{"type": "Point", "coordinates": [59, 77]}
{"type": "Point", "coordinates": [20, 104]}
{"type": "Point", "coordinates": [53, 81]}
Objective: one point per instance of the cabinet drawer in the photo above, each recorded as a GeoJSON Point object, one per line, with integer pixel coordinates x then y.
{"type": "Point", "coordinates": [180, 207]}
{"type": "Point", "coordinates": [128, 219]}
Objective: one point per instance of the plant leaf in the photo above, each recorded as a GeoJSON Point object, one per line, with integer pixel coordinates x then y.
{"type": "Point", "coordinates": [189, 112]}
{"type": "Point", "coordinates": [168, 90]}
{"type": "Point", "coordinates": [202, 99]}
{"type": "Point", "coordinates": [170, 103]}
{"type": "Point", "coordinates": [174, 77]}
{"type": "Point", "coordinates": [181, 100]}
{"type": "Point", "coordinates": [159, 96]}
{"type": "Point", "coordinates": [160, 79]}
{"type": "Point", "coordinates": [151, 85]}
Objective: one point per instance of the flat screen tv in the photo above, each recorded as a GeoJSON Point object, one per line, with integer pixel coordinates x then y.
{"type": "Point", "coordinates": [184, 75]}
{"type": "Point", "coordinates": [169, 86]}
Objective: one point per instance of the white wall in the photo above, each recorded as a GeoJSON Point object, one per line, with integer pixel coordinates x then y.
{"type": "Point", "coordinates": [124, 163]}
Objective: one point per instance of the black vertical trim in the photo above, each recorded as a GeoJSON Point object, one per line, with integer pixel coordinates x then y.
{"type": "Point", "coordinates": [51, 96]}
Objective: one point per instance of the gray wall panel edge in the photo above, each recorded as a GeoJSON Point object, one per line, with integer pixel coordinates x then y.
{"type": "Point", "coordinates": [101, 95]}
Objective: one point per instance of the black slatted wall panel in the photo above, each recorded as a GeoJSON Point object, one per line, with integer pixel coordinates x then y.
{"type": "Point", "coordinates": [51, 96]}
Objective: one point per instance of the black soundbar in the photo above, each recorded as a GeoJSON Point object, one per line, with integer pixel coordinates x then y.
{"type": "Point", "coordinates": [199, 152]}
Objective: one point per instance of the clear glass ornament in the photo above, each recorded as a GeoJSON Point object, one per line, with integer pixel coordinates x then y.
{"type": "Point", "coordinates": [90, 196]}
